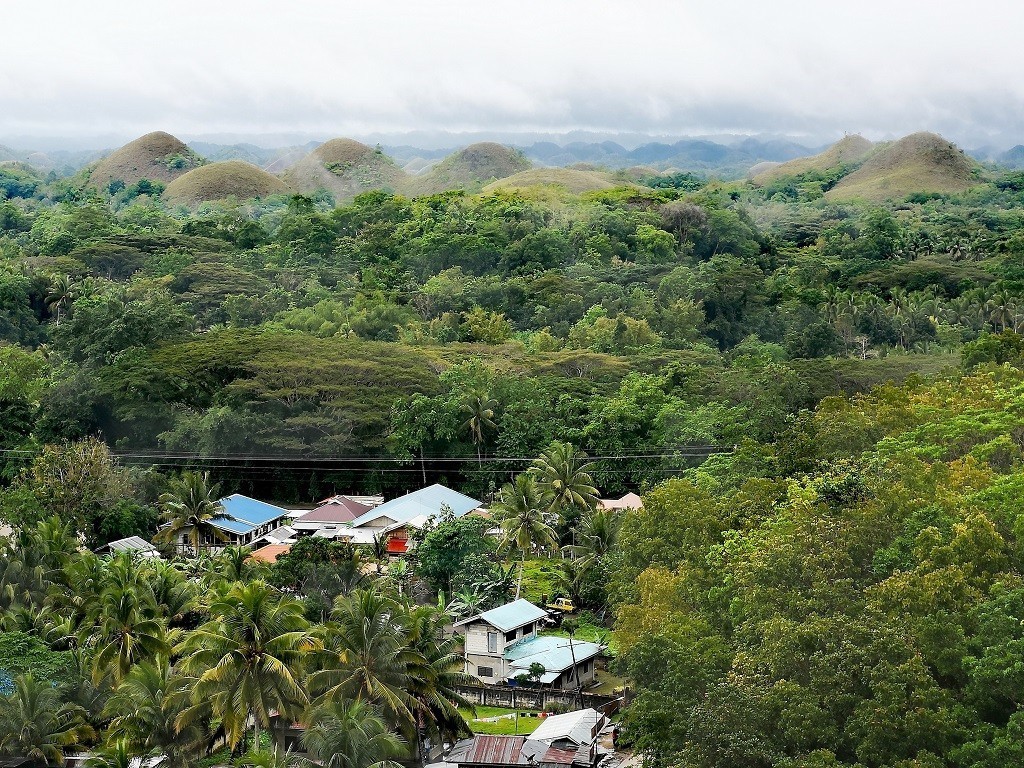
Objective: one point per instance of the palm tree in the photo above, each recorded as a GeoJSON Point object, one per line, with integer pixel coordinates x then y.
{"type": "Point", "coordinates": [116, 755]}
{"type": "Point", "coordinates": [127, 627]}
{"type": "Point", "coordinates": [480, 409]}
{"type": "Point", "coordinates": [188, 510]}
{"type": "Point", "coordinates": [366, 656]}
{"type": "Point", "coordinates": [35, 723]}
{"type": "Point", "coordinates": [275, 757]}
{"type": "Point", "coordinates": [59, 295]}
{"type": "Point", "coordinates": [565, 485]}
{"type": "Point", "coordinates": [247, 659]}
{"type": "Point", "coordinates": [522, 521]}
{"type": "Point", "coordinates": [437, 674]}
{"type": "Point", "coordinates": [465, 602]}
{"type": "Point", "coordinates": [598, 533]}
{"type": "Point", "coordinates": [143, 711]}
{"type": "Point", "coordinates": [350, 734]}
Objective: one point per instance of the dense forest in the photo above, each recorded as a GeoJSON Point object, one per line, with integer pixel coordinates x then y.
{"type": "Point", "coordinates": [820, 400]}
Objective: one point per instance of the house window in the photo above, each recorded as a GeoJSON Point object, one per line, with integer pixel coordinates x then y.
{"type": "Point", "coordinates": [510, 636]}
{"type": "Point", "coordinates": [485, 671]}
{"type": "Point", "coordinates": [569, 675]}
{"type": "Point", "coordinates": [492, 642]}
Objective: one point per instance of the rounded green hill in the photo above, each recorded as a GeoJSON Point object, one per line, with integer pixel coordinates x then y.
{"type": "Point", "coordinates": [571, 180]}
{"type": "Point", "coordinates": [218, 181]}
{"type": "Point", "coordinates": [345, 168]}
{"type": "Point", "coordinates": [470, 169]}
{"type": "Point", "coordinates": [845, 152]}
{"type": "Point", "coordinates": [921, 162]}
{"type": "Point", "coordinates": [157, 156]}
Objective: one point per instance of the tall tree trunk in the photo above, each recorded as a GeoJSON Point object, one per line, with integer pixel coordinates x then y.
{"type": "Point", "coordinates": [522, 566]}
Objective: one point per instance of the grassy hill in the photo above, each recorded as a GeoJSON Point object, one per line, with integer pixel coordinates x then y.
{"type": "Point", "coordinates": [345, 168]}
{"type": "Point", "coordinates": [846, 151]}
{"type": "Point", "coordinates": [571, 180]}
{"type": "Point", "coordinates": [471, 169]}
{"type": "Point", "coordinates": [921, 162]}
{"type": "Point", "coordinates": [231, 178]}
{"type": "Point", "coordinates": [158, 156]}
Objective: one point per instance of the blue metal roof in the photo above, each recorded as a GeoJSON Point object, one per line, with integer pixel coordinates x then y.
{"type": "Point", "coordinates": [549, 650]}
{"type": "Point", "coordinates": [510, 616]}
{"type": "Point", "coordinates": [427, 501]}
{"type": "Point", "coordinates": [249, 514]}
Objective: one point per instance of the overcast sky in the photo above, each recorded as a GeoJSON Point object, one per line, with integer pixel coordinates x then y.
{"type": "Point", "coordinates": [806, 68]}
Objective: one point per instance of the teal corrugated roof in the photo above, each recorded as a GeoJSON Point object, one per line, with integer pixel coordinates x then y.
{"type": "Point", "coordinates": [426, 501]}
{"type": "Point", "coordinates": [249, 514]}
{"type": "Point", "coordinates": [511, 615]}
{"type": "Point", "coordinates": [552, 652]}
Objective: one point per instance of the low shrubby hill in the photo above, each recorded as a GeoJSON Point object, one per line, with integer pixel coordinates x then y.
{"type": "Point", "coordinates": [471, 169]}
{"type": "Point", "coordinates": [572, 180]}
{"type": "Point", "coordinates": [845, 152]}
{"type": "Point", "coordinates": [921, 162]}
{"type": "Point", "coordinates": [157, 156]}
{"type": "Point", "coordinates": [345, 168]}
{"type": "Point", "coordinates": [217, 181]}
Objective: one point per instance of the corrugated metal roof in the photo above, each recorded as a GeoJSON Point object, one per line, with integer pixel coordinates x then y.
{"type": "Point", "coordinates": [249, 513]}
{"type": "Point", "coordinates": [509, 616]}
{"type": "Point", "coordinates": [131, 544]}
{"type": "Point", "coordinates": [426, 501]}
{"type": "Point", "coordinates": [504, 750]}
{"type": "Point", "coordinates": [338, 510]}
{"type": "Point", "coordinates": [553, 652]}
{"type": "Point", "coordinates": [577, 727]}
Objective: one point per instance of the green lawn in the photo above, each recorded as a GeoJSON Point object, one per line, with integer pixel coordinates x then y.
{"type": "Point", "coordinates": [504, 727]}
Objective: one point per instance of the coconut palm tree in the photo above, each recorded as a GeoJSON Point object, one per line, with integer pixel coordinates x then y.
{"type": "Point", "coordinates": [36, 723]}
{"type": "Point", "coordinates": [59, 295]}
{"type": "Point", "coordinates": [480, 411]}
{"type": "Point", "coordinates": [127, 629]}
{"type": "Point", "coordinates": [566, 487]}
{"type": "Point", "coordinates": [188, 510]}
{"type": "Point", "coordinates": [247, 660]}
{"type": "Point", "coordinates": [116, 755]}
{"type": "Point", "coordinates": [522, 523]}
{"type": "Point", "coordinates": [437, 673]}
{"type": "Point", "coordinates": [366, 656]}
{"type": "Point", "coordinates": [350, 734]}
{"type": "Point", "coordinates": [598, 533]}
{"type": "Point", "coordinates": [143, 711]}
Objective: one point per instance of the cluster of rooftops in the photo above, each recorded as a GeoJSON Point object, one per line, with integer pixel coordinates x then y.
{"type": "Point", "coordinates": [362, 520]}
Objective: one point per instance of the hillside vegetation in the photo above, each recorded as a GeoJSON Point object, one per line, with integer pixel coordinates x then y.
{"type": "Point", "coordinates": [217, 181]}
{"type": "Point", "coordinates": [845, 152]}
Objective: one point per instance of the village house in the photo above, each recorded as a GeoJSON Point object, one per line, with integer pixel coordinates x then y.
{"type": "Point", "coordinates": [138, 546]}
{"type": "Point", "coordinates": [249, 521]}
{"type": "Point", "coordinates": [398, 519]}
{"type": "Point", "coordinates": [503, 644]}
{"type": "Point", "coordinates": [629, 501]}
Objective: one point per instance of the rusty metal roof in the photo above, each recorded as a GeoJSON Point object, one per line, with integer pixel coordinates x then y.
{"type": "Point", "coordinates": [501, 750]}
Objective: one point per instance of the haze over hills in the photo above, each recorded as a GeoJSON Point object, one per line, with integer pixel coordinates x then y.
{"type": "Point", "coordinates": [851, 168]}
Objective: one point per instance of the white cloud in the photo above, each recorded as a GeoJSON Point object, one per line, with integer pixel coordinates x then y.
{"type": "Point", "coordinates": [665, 67]}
